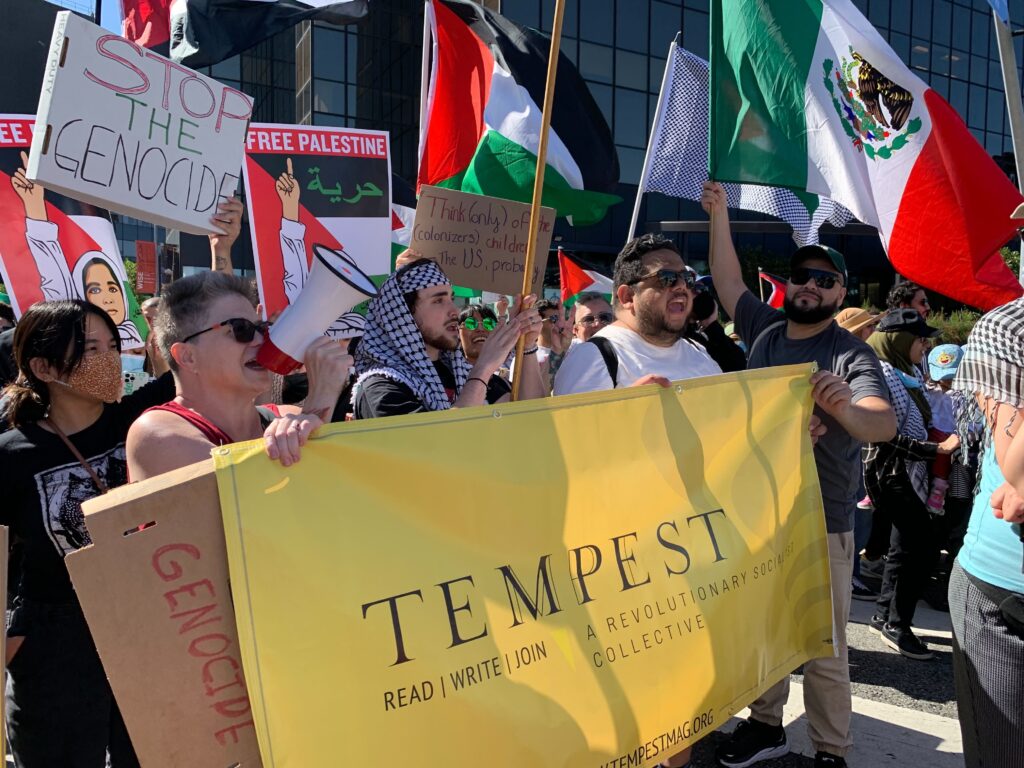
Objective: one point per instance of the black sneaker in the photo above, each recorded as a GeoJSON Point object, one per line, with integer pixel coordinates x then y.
{"type": "Point", "coordinates": [877, 624]}
{"type": "Point", "coordinates": [752, 742]}
{"type": "Point", "coordinates": [906, 642]}
{"type": "Point", "coordinates": [861, 591]}
{"type": "Point", "coordinates": [828, 760]}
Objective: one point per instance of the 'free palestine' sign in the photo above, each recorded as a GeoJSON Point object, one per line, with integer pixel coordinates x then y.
{"type": "Point", "coordinates": [128, 129]}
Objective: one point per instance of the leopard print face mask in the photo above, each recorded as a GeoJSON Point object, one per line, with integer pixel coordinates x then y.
{"type": "Point", "coordinates": [98, 376]}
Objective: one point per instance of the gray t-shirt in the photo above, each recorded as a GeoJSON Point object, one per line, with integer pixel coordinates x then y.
{"type": "Point", "coordinates": [837, 453]}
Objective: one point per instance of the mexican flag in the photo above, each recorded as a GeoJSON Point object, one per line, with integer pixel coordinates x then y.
{"type": "Point", "coordinates": [807, 95]}
{"type": "Point", "coordinates": [577, 279]}
{"type": "Point", "coordinates": [483, 117]}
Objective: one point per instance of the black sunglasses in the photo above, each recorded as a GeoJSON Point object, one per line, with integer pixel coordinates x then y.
{"type": "Point", "coordinates": [600, 317]}
{"type": "Point", "coordinates": [669, 277]}
{"type": "Point", "coordinates": [243, 330]}
{"type": "Point", "coordinates": [821, 277]}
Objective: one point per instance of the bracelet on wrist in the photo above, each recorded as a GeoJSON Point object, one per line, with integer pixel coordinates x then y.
{"type": "Point", "coordinates": [531, 351]}
{"type": "Point", "coordinates": [476, 378]}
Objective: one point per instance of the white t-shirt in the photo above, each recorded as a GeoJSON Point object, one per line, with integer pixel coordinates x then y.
{"type": "Point", "coordinates": [585, 370]}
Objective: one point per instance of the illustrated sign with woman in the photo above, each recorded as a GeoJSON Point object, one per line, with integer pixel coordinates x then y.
{"type": "Point", "coordinates": [54, 247]}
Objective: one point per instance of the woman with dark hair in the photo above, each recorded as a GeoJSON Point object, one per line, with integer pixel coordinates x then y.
{"type": "Point", "coordinates": [896, 476]}
{"type": "Point", "coordinates": [67, 445]}
{"type": "Point", "coordinates": [100, 285]}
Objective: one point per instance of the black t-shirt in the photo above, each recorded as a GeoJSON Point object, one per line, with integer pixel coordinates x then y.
{"type": "Point", "coordinates": [381, 396]}
{"type": "Point", "coordinates": [44, 486]}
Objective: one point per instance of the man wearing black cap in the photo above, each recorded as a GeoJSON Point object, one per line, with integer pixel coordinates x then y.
{"type": "Point", "coordinates": [852, 400]}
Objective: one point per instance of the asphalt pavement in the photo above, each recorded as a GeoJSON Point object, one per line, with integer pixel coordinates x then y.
{"type": "Point", "coordinates": [904, 711]}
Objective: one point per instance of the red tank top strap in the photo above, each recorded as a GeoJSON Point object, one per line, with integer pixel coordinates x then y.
{"type": "Point", "coordinates": [210, 431]}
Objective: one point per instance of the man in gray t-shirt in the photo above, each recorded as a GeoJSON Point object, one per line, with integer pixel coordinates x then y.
{"type": "Point", "coordinates": [851, 399]}
{"type": "Point", "coordinates": [837, 452]}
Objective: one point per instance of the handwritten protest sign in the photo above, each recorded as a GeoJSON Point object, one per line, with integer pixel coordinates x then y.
{"type": "Point", "coordinates": [480, 241]}
{"type": "Point", "coordinates": [309, 187]}
{"type": "Point", "coordinates": [55, 247]}
{"type": "Point", "coordinates": [126, 128]}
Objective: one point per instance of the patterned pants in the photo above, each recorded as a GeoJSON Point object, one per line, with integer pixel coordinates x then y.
{"type": "Point", "coordinates": [988, 665]}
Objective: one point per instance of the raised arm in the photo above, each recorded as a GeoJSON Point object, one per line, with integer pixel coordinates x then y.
{"type": "Point", "coordinates": [229, 219]}
{"type": "Point", "coordinates": [725, 264]}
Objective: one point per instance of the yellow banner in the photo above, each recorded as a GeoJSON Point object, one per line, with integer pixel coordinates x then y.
{"type": "Point", "coordinates": [595, 580]}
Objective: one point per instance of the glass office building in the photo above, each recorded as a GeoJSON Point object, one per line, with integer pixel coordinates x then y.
{"type": "Point", "coordinates": [368, 75]}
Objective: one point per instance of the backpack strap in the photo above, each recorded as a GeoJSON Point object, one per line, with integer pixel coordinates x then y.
{"type": "Point", "coordinates": [611, 360]}
{"type": "Point", "coordinates": [761, 335]}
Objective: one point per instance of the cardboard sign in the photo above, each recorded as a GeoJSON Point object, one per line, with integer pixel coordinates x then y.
{"type": "Point", "coordinates": [154, 589]}
{"type": "Point", "coordinates": [145, 266]}
{"type": "Point", "coordinates": [55, 247]}
{"type": "Point", "coordinates": [128, 129]}
{"type": "Point", "coordinates": [309, 187]}
{"type": "Point", "coordinates": [480, 241]}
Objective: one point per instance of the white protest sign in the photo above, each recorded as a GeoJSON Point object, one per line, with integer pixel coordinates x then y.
{"type": "Point", "coordinates": [125, 128]}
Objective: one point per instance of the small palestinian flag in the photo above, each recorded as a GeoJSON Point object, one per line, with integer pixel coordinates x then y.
{"type": "Point", "coordinates": [578, 279]}
{"type": "Point", "coordinates": [777, 297]}
{"type": "Point", "coordinates": [484, 119]}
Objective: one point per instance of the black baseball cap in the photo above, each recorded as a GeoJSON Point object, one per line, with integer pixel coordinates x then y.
{"type": "Point", "coordinates": [908, 320]}
{"type": "Point", "coordinates": [831, 255]}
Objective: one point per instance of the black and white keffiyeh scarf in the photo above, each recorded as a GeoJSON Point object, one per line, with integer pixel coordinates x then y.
{"type": "Point", "coordinates": [993, 364]}
{"type": "Point", "coordinates": [392, 344]}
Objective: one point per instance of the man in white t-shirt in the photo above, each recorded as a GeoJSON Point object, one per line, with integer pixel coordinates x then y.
{"type": "Point", "coordinates": [653, 297]}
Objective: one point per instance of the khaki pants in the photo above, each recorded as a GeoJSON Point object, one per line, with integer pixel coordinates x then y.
{"type": "Point", "coordinates": [826, 681]}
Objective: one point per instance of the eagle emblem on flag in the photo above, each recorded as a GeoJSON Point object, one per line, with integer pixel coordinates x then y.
{"type": "Point", "coordinates": [874, 110]}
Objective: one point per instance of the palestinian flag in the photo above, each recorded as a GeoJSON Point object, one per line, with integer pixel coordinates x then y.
{"type": "Point", "coordinates": [777, 297]}
{"type": "Point", "coordinates": [483, 117]}
{"type": "Point", "coordinates": [205, 32]}
{"type": "Point", "coordinates": [807, 95]}
{"type": "Point", "coordinates": [577, 278]}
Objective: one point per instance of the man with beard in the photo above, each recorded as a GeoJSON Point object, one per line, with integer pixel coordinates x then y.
{"type": "Point", "coordinates": [409, 360]}
{"type": "Point", "coordinates": [653, 296]}
{"type": "Point", "coordinates": [851, 399]}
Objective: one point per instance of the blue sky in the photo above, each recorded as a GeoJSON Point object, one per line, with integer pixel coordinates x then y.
{"type": "Point", "coordinates": [110, 15]}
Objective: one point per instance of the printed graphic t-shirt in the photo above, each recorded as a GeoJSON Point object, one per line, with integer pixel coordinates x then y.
{"type": "Point", "coordinates": [44, 486]}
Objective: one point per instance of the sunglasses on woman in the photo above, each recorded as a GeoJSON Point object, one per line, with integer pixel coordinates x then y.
{"type": "Point", "coordinates": [821, 277]}
{"type": "Point", "coordinates": [471, 324]}
{"type": "Point", "coordinates": [243, 330]}
{"type": "Point", "coordinates": [667, 278]}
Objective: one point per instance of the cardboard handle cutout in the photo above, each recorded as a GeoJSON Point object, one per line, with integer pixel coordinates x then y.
{"type": "Point", "coordinates": [334, 286]}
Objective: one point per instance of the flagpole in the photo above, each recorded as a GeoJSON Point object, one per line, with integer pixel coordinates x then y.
{"type": "Point", "coordinates": [760, 284]}
{"type": "Point", "coordinates": [424, 78]}
{"type": "Point", "coordinates": [659, 114]}
{"type": "Point", "coordinates": [1014, 109]}
{"type": "Point", "coordinates": [538, 182]}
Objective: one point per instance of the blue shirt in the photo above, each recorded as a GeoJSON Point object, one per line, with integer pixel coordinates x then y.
{"type": "Point", "coordinates": [992, 550]}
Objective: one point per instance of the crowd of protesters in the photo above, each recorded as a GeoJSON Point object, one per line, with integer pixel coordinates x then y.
{"type": "Point", "coordinates": [918, 450]}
